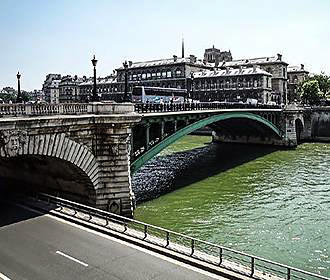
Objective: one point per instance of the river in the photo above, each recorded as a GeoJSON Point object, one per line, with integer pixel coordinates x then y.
{"type": "Point", "coordinates": [264, 201]}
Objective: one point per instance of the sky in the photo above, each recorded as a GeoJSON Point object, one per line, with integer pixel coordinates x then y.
{"type": "Point", "coordinates": [61, 36]}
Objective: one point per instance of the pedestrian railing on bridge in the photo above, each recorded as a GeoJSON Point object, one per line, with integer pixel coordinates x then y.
{"type": "Point", "coordinates": [220, 256]}
{"type": "Point", "coordinates": [177, 107]}
{"type": "Point", "coordinates": [17, 110]}
{"type": "Point", "coordinates": [22, 110]}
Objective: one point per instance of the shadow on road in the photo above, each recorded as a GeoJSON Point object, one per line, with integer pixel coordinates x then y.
{"type": "Point", "coordinates": [11, 210]}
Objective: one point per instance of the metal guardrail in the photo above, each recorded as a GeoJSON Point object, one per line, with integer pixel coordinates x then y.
{"type": "Point", "coordinates": [230, 259]}
{"type": "Point", "coordinates": [177, 107]}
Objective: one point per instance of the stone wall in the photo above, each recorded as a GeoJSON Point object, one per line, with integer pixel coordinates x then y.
{"type": "Point", "coordinates": [320, 124]}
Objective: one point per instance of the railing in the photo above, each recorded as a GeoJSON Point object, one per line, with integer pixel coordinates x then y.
{"type": "Point", "coordinates": [221, 256]}
{"type": "Point", "coordinates": [176, 107]}
{"type": "Point", "coordinates": [21, 110]}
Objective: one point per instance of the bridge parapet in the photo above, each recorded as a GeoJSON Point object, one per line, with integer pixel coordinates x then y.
{"type": "Point", "coordinates": [21, 110]}
{"type": "Point", "coordinates": [179, 107]}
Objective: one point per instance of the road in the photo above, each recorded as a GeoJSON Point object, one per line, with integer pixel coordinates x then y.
{"type": "Point", "coordinates": [36, 246]}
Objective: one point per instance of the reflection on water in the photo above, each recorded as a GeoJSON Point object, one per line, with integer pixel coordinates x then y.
{"type": "Point", "coordinates": [270, 203]}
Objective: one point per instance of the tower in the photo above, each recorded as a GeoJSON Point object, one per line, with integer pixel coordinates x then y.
{"type": "Point", "coordinates": [182, 54]}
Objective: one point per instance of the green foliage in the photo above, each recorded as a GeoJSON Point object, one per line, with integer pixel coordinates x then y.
{"type": "Point", "coordinates": [8, 97]}
{"type": "Point", "coordinates": [315, 89]}
{"type": "Point", "coordinates": [310, 92]}
{"type": "Point", "coordinates": [324, 84]}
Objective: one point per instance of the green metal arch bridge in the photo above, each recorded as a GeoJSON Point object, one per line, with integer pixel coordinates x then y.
{"type": "Point", "coordinates": [150, 153]}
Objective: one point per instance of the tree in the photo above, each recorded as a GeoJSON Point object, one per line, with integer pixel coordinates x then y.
{"type": "Point", "coordinates": [310, 92]}
{"type": "Point", "coordinates": [324, 84]}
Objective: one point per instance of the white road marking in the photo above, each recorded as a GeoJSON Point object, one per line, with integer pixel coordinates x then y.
{"type": "Point", "coordinates": [168, 259]}
{"type": "Point", "coordinates": [3, 277]}
{"type": "Point", "coordinates": [71, 258]}
{"type": "Point", "coordinates": [187, 266]}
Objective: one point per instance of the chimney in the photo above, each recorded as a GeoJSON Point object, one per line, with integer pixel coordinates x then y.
{"type": "Point", "coordinates": [254, 68]}
{"type": "Point", "coordinates": [279, 57]}
{"type": "Point", "coordinates": [240, 68]}
{"type": "Point", "coordinates": [192, 58]}
{"type": "Point", "coordinates": [175, 58]}
{"type": "Point", "coordinates": [130, 63]}
{"type": "Point", "coordinates": [302, 66]}
{"type": "Point", "coordinates": [227, 70]}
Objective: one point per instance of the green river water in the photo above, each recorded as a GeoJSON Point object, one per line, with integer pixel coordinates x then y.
{"type": "Point", "coordinates": [270, 203]}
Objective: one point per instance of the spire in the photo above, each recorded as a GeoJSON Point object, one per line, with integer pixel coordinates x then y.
{"type": "Point", "coordinates": [182, 48]}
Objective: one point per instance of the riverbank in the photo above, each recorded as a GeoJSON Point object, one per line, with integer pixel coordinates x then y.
{"type": "Point", "coordinates": [173, 168]}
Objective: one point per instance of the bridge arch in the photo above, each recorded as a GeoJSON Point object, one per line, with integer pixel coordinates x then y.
{"type": "Point", "coordinates": [139, 162]}
{"type": "Point", "coordinates": [56, 153]}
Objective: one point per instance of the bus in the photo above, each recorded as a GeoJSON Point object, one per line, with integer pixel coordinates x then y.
{"type": "Point", "coordinates": [142, 94]}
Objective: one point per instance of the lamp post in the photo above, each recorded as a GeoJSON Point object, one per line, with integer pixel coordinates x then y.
{"type": "Point", "coordinates": [19, 98]}
{"type": "Point", "coordinates": [127, 96]}
{"type": "Point", "coordinates": [94, 97]}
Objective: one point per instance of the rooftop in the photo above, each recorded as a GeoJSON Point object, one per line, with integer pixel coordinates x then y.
{"type": "Point", "coordinates": [230, 72]}
{"type": "Point", "coordinates": [258, 60]}
{"type": "Point", "coordinates": [300, 68]}
{"type": "Point", "coordinates": [100, 81]}
{"type": "Point", "coordinates": [167, 61]}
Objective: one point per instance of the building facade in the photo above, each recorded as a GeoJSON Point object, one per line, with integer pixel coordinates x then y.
{"type": "Point", "coordinates": [232, 85]}
{"type": "Point", "coordinates": [107, 89]}
{"type": "Point", "coordinates": [48, 87]}
{"type": "Point", "coordinates": [69, 89]}
{"type": "Point", "coordinates": [296, 75]}
{"type": "Point", "coordinates": [170, 73]}
{"type": "Point", "coordinates": [273, 65]}
{"type": "Point", "coordinates": [177, 72]}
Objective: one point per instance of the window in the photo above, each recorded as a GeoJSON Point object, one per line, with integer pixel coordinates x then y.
{"type": "Point", "coordinates": [148, 75]}
{"type": "Point", "coordinates": [284, 72]}
{"type": "Point", "coordinates": [158, 74]}
{"type": "Point", "coordinates": [169, 74]}
{"type": "Point", "coordinates": [144, 75]}
{"type": "Point", "coordinates": [164, 74]}
{"type": "Point", "coordinates": [178, 72]}
{"type": "Point", "coordinates": [153, 75]}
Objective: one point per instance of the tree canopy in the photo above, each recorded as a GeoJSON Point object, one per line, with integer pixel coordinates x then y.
{"type": "Point", "coordinates": [310, 92]}
{"type": "Point", "coordinates": [315, 89]}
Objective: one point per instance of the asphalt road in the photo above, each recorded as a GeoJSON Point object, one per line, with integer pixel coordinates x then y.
{"type": "Point", "coordinates": [35, 246]}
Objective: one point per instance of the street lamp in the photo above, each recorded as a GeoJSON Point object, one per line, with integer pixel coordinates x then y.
{"type": "Point", "coordinates": [94, 97]}
{"type": "Point", "coordinates": [127, 96]}
{"type": "Point", "coordinates": [19, 98]}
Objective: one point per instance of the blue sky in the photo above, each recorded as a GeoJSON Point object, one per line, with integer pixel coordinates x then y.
{"type": "Point", "coordinates": [60, 36]}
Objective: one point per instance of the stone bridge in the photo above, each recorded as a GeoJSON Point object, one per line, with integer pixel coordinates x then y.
{"type": "Point", "coordinates": [87, 152]}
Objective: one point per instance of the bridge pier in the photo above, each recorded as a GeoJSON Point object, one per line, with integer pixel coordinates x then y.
{"type": "Point", "coordinates": [85, 157]}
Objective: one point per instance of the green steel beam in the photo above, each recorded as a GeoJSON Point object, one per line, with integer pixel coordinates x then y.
{"type": "Point", "coordinates": [139, 162]}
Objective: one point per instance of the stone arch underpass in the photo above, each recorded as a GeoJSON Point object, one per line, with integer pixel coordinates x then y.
{"type": "Point", "coordinates": [249, 125]}
{"type": "Point", "coordinates": [51, 162]}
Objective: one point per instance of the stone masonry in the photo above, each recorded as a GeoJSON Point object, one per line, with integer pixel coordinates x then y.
{"type": "Point", "coordinates": [85, 156]}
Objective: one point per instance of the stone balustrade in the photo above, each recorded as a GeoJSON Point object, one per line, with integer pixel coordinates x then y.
{"type": "Point", "coordinates": [19, 110]}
